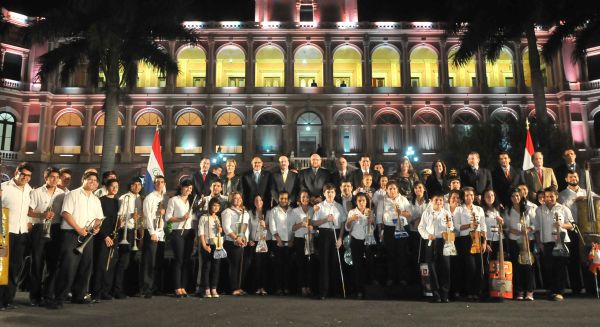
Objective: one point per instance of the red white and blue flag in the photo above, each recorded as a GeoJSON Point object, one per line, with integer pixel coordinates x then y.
{"type": "Point", "coordinates": [529, 150]}
{"type": "Point", "coordinates": [155, 164]}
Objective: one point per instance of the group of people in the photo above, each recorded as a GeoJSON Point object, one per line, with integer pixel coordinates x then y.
{"type": "Point", "coordinates": [315, 232]}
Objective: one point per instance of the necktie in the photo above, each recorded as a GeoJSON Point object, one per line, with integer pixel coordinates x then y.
{"type": "Point", "coordinates": [203, 177]}
{"type": "Point", "coordinates": [284, 175]}
{"type": "Point", "coordinates": [541, 176]}
{"type": "Point", "coordinates": [315, 171]}
{"type": "Point", "coordinates": [256, 176]}
{"type": "Point", "coordinates": [507, 173]}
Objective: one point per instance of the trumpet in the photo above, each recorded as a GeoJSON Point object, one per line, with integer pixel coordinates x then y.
{"type": "Point", "coordinates": [475, 235]}
{"type": "Point", "coordinates": [47, 222]}
{"type": "Point", "coordinates": [114, 236]}
{"type": "Point", "coordinates": [90, 227]}
{"type": "Point", "coordinates": [157, 223]}
{"type": "Point", "coordinates": [136, 227]}
{"type": "Point", "coordinates": [400, 231]}
{"type": "Point", "coordinates": [525, 256]}
{"type": "Point", "coordinates": [124, 215]}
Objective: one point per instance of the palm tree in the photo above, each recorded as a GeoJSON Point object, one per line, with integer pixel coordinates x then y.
{"type": "Point", "coordinates": [486, 26]}
{"type": "Point", "coordinates": [112, 36]}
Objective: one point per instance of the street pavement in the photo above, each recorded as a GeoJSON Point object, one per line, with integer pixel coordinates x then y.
{"type": "Point", "coordinates": [296, 311]}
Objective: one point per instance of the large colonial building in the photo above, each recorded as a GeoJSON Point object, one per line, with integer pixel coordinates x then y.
{"type": "Point", "coordinates": [303, 74]}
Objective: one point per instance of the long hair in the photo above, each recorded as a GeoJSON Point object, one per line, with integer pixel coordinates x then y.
{"type": "Point", "coordinates": [444, 170]}
{"type": "Point", "coordinates": [414, 196]}
{"type": "Point", "coordinates": [494, 206]}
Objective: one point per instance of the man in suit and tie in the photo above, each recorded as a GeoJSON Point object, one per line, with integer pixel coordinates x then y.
{"type": "Point", "coordinates": [341, 174]}
{"type": "Point", "coordinates": [365, 168]}
{"type": "Point", "coordinates": [506, 178]}
{"type": "Point", "coordinates": [313, 179]}
{"type": "Point", "coordinates": [570, 165]}
{"type": "Point", "coordinates": [285, 180]}
{"type": "Point", "coordinates": [257, 182]}
{"type": "Point", "coordinates": [539, 177]}
{"type": "Point", "coordinates": [202, 179]}
{"type": "Point", "coordinates": [476, 177]}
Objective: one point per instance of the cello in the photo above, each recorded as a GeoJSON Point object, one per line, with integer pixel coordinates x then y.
{"type": "Point", "coordinates": [501, 273]}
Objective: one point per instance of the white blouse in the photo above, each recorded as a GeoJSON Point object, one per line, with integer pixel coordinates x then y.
{"type": "Point", "coordinates": [513, 219]}
{"type": "Point", "coordinates": [434, 223]}
{"type": "Point", "coordinates": [208, 228]}
{"type": "Point", "coordinates": [234, 221]}
{"type": "Point", "coordinates": [491, 224]}
{"type": "Point", "coordinates": [297, 216]}
{"type": "Point", "coordinates": [280, 223]}
{"type": "Point", "coordinates": [177, 208]}
{"type": "Point", "coordinates": [386, 210]}
{"type": "Point", "coordinates": [358, 230]}
{"type": "Point", "coordinates": [334, 208]}
{"type": "Point", "coordinates": [462, 216]}
{"type": "Point", "coordinates": [545, 218]}
{"type": "Point", "coordinates": [254, 230]}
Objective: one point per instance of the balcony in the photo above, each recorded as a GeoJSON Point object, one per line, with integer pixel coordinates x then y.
{"type": "Point", "coordinates": [8, 155]}
{"type": "Point", "coordinates": [591, 85]}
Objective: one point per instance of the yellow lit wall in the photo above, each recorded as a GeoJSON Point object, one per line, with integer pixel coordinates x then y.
{"type": "Point", "coordinates": [424, 67]}
{"type": "Point", "coordinates": [270, 67]}
{"type": "Point", "coordinates": [148, 76]}
{"type": "Point", "coordinates": [192, 68]}
{"type": "Point", "coordinates": [462, 76]}
{"type": "Point", "coordinates": [231, 67]}
{"type": "Point", "coordinates": [500, 73]}
{"type": "Point", "coordinates": [347, 67]}
{"type": "Point", "coordinates": [385, 64]}
{"type": "Point", "coordinates": [308, 65]}
{"type": "Point", "coordinates": [546, 72]}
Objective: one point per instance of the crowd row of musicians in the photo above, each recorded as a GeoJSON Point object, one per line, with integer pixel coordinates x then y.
{"type": "Point", "coordinates": [329, 225]}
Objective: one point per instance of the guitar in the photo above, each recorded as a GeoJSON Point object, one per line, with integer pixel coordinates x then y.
{"type": "Point", "coordinates": [501, 273]}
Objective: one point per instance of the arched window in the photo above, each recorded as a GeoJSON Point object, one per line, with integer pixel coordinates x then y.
{"type": "Point", "coordinates": [546, 71]}
{"type": "Point", "coordinates": [385, 66]}
{"type": "Point", "coordinates": [146, 125]}
{"type": "Point", "coordinates": [424, 71]}
{"type": "Point", "coordinates": [596, 129]}
{"type": "Point", "coordinates": [148, 76]}
{"type": "Point", "coordinates": [349, 132]}
{"type": "Point", "coordinates": [428, 130]}
{"type": "Point", "coordinates": [269, 130]}
{"type": "Point", "coordinates": [192, 67]}
{"type": "Point", "coordinates": [347, 67]}
{"type": "Point", "coordinates": [388, 132]}
{"type": "Point", "coordinates": [308, 66]}
{"type": "Point", "coordinates": [99, 134]}
{"type": "Point", "coordinates": [500, 73]}
{"type": "Point", "coordinates": [507, 119]}
{"type": "Point", "coordinates": [231, 67]}
{"type": "Point", "coordinates": [229, 138]}
{"type": "Point", "coordinates": [270, 67]}
{"type": "Point", "coordinates": [308, 129]}
{"type": "Point", "coordinates": [7, 131]}
{"type": "Point", "coordinates": [67, 135]}
{"type": "Point", "coordinates": [461, 76]}
{"type": "Point", "coordinates": [463, 121]}
{"type": "Point", "coordinates": [188, 133]}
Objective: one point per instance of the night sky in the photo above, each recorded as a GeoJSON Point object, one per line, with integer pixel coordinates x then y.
{"type": "Point", "coordinates": [213, 10]}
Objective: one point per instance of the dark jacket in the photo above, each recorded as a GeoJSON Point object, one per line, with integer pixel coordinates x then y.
{"type": "Point", "coordinates": [480, 181]}
{"type": "Point", "coordinates": [201, 187]}
{"type": "Point", "coordinates": [236, 183]}
{"type": "Point", "coordinates": [250, 189]}
{"type": "Point", "coordinates": [357, 176]}
{"type": "Point", "coordinates": [504, 186]}
{"type": "Point", "coordinates": [291, 185]}
{"type": "Point", "coordinates": [313, 183]}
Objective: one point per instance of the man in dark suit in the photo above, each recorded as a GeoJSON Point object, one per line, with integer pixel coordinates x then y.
{"type": "Point", "coordinates": [257, 182]}
{"type": "Point", "coordinates": [476, 177]}
{"type": "Point", "coordinates": [203, 179]}
{"type": "Point", "coordinates": [506, 178]}
{"type": "Point", "coordinates": [285, 180]}
{"type": "Point", "coordinates": [341, 174]}
{"type": "Point", "coordinates": [313, 179]}
{"type": "Point", "coordinates": [570, 165]}
{"type": "Point", "coordinates": [365, 168]}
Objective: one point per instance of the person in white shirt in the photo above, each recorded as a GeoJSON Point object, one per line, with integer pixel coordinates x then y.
{"type": "Point", "coordinates": [153, 209]}
{"type": "Point", "coordinates": [520, 218]}
{"type": "Point", "coordinates": [356, 224]}
{"type": "Point", "coordinates": [464, 224]}
{"type": "Point", "coordinates": [491, 208]}
{"type": "Point", "coordinates": [419, 202]}
{"type": "Point", "coordinates": [434, 221]}
{"type": "Point", "coordinates": [381, 193]}
{"type": "Point", "coordinates": [106, 176]}
{"type": "Point", "coordinates": [258, 261]}
{"type": "Point", "coordinates": [182, 237]}
{"type": "Point", "coordinates": [346, 199]}
{"type": "Point", "coordinates": [548, 218]}
{"type": "Point", "coordinates": [280, 225]}
{"type": "Point", "coordinates": [209, 230]}
{"type": "Point", "coordinates": [81, 210]}
{"type": "Point", "coordinates": [393, 213]}
{"type": "Point", "coordinates": [44, 211]}
{"type": "Point", "coordinates": [329, 217]}
{"type": "Point", "coordinates": [65, 179]}
{"type": "Point", "coordinates": [235, 225]}
{"type": "Point", "coordinates": [130, 205]}
{"type": "Point", "coordinates": [300, 218]}
{"type": "Point", "coordinates": [16, 197]}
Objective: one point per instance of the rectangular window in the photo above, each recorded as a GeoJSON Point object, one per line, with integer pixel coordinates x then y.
{"type": "Point", "coordinates": [199, 82]}
{"type": "Point", "coordinates": [272, 82]}
{"type": "Point", "coordinates": [509, 82]}
{"type": "Point", "coordinates": [415, 82]}
{"type": "Point", "coordinates": [307, 81]}
{"type": "Point", "coordinates": [306, 13]}
{"type": "Point", "coordinates": [451, 81]}
{"type": "Point", "coordinates": [11, 67]}
{"type": "Point", "coordinates": [473, 81]}
{"type": "Point", "coordinates": [378, 82]}
{"type": "Point", "coordinates": [162, 81]}
{"type": "Point", "coordinates": [236, 81]}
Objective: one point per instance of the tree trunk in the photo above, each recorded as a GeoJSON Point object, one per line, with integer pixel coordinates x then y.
{"type": "Point", "coordinates": [111, 115]}
{"type": "Point", "coordinates": [537, 79]}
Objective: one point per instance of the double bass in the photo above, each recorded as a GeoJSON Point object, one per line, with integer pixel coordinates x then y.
{"type": "Point", "coordinates": [501, 273]}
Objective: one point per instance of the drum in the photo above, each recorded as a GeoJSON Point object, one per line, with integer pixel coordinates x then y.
{"type": "Point", "coordinates": [583, 221]}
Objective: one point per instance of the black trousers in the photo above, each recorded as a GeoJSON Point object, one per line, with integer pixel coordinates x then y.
{"type": "Point", "coordinates": [556, 270]}
{"type": "Point", "coordinates": [303, 263]}
{"type": "Point", "coordinates": [151, 255]}
{"type": "Point", "coordinates": [182, 245]}
{"type": "Point", "coordinates": [358, 250]}
{"type": "Point", "coordinates": [282, 266]}
{"type": "Point", "coordinates": [75, 269]}
{"type": "Point", "coordinates": [235, 255]}
{"type": "Point", "coordinates": [211, 268]}
{"type": "Point", "coordinates": [103, 278]}
{"type": "Point", "coordinates": [574, 266]}
{"type": "Point", "coordinates": [396, 251]}
{"type": "Point", "coordinates": [16, 253]}
{"type": "Point", "coordinates": [44, 252]}
{"type": "Point", "coordinates": [523, 278]}
{"type": "Point", "coordinates": [473, 265]}
{"type": "Point", "coordinates": [122, 263]}
{"type": "Point", "coordinates": [329, 267]}
{"type": "Point", "coordinates": [439, 266]}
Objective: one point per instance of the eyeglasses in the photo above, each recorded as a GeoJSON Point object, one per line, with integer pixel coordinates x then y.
{"type": "Point", "coordinates": [24, 175]}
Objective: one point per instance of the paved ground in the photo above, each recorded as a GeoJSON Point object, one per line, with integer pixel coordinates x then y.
{"type": "Point", "coordinates": [293, 311]}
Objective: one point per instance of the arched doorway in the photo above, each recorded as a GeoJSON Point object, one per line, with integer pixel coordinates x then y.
{"type": "Point", "coordinates": [308, 129]}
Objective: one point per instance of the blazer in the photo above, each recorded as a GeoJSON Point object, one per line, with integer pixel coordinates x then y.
{"type": "Point", "coordinates": [479, 182]}
{"type": "Point", "coordinates": [291, 185]}
{"type": "Point", "coordinates": [503, 185]}
{"type": "Point", "coordinates": [337, 179]}
{"type": "Point", "coordinates": [250, 189]}
{"type": "Point", "coordinates": [312, 183]}
{"type": "Point", "coordinates": [561, 172]}
{"type": "Point", "coordinates": [202, 187]}
{"type": "Point", "coordinates": [433, 185]}
{"type": "Point", "coordinates": [533, 181]}
{"type": "Point", "coordinates": [236, 183]}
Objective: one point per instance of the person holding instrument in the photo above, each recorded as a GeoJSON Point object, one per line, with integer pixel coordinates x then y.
{"type": "Point", "coordinates": [209, 232]}
{"type": "Point", "coordinates": [358, 220]}
{"type": "Point", "coordinates": [301, 227]}
{"type": "Point", "coordinates": [81, 209]}
{"type": "Point", "coordinates": [235, 224]}
{"type": "Point", "coordinates": [258, 258]}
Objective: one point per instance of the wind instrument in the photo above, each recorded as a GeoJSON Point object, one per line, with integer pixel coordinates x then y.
{"type": "Point", "coordinates": [47, 222]}
{"type": "Point", "coordinates": [136, 225]}
{"type": "Point", "coordinates": [90, 227]}
{"type": "Point", "coordinates": [124, 214]}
